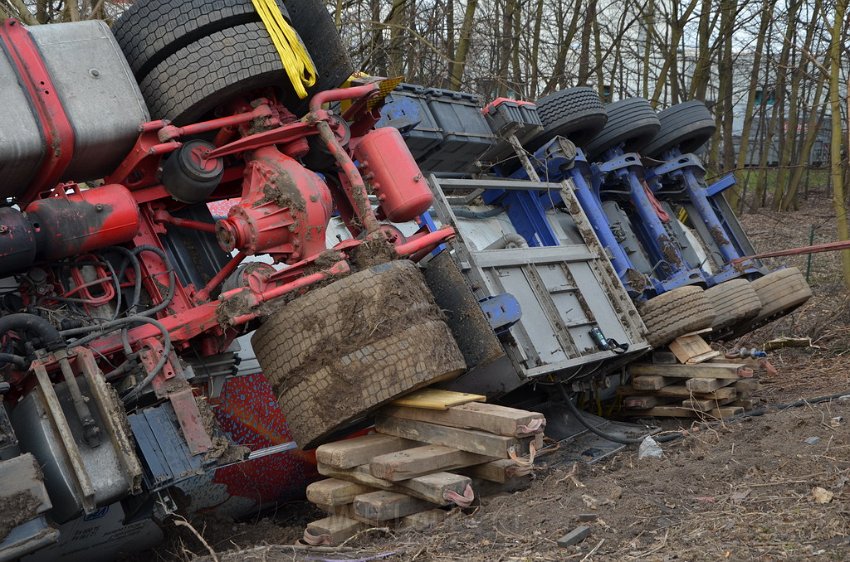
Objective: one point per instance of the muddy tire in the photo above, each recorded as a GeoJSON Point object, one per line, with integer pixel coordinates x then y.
{"type": "Point", "coordinates": [686, 125]}
{"type": "Point", "coordinates": [340, 351]}
{"type": "Point", "coordinates": [574, 113]}
{"type": "Point", "coordinates": [733, 301]}
{"type": "Point", "coordinates": [676, 313]}
{"type": "Point", "coordinates": [631, 122]}
{"type": "Point", "coordinates": [780, 292]}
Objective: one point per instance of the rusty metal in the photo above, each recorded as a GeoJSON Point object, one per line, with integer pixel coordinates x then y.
{"type": "Point", "coordinates": [814, 249]}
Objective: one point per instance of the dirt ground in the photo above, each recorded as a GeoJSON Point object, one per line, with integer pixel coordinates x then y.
{"type": "Point", "coordinates": [772, 487]}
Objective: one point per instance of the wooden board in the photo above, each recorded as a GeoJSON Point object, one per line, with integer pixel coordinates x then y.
{"type": "Point", "coordinates": [499, 471]}
{"type": "Point", "coordinates": [418, 461]}
{"type": "Point", "coordinates": [336, 527]}
{"type": "Point", "coordinates": [644, 402]}
{"type": "Point", "coordinates": [333, 492]}
{"type": "Point", "coordinates": [497, 446]}
{"type": "Point", "coordinates": [436, 399]}
{"type": "Point", "coordinates": [705, 405]}
{"type": "Point", "coordinates": [706, 385]}
{"type": "Point", "coordinates": [360, 450]}
{"type": "Point", "coordinates": [733, 371]}
{"type": "Point", "coordinates": [345, 510]}
{"type": "Point", "coordinates": [726, 412]}
{"type": "Point", "coordinates": [431, 487]}
{"type": "Point", "coordinates": [692, 349]}
{"type": "Point", "coordinates": [388, 506]}
{"type": "Point", "coordinates": [652, 382]}
{"type": "Point", "coordinates": [680, 391]}
{"type": "Point", "coordinates": [490, 418]}
{"type": "Point", "coordinates": [748, 385]}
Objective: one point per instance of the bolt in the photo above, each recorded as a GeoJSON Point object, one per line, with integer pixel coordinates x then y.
{"type": "Point", "coordinates": [98, 207]}
{"type": "Point", "coordinates": [94, 72]}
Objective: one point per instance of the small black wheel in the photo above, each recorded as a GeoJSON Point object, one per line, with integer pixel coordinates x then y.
{"type": "Point", "coordinates": [676, 313]}
{"type": "Point", "coordinates": [631, 122]}
{"type": "Point", "coordinates": [575, 113]}
{"type": "Point", "coordinates": [341, 351]}
{"type": "Point", "coordinates": [687, 125]}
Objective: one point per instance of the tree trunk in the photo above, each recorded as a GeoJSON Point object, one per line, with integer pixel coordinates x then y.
{"type": "Point", "coordinates": [459, 63]}
{"type": "Point", "coordinates": [586, 33]}
{"type": "Point", "coordinates": [836, 174]}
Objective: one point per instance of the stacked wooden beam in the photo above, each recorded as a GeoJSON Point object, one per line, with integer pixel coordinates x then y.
{"type": "Point", "coordinates": [426, 456]}
{"type": "Point", "coordinates": [689, 381]}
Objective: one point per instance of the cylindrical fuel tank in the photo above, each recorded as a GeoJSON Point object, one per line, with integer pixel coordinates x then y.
{"type": "Point", "coordinates": [17, 241]}
{"type": "Point", "coordinates": [389, 168]}
{"type": "Point", "coordinates": [97, 92]}
{"type": "Point", "coordinates": [83, 221]}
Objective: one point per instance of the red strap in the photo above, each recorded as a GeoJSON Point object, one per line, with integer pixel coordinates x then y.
{"type": "Point", "coordinates": [659, 210]}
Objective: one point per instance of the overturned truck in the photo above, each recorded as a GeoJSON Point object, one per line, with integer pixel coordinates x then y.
{"type": "Point", "coordinates": [163, 351]}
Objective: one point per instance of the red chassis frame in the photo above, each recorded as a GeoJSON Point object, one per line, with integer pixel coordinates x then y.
{"type": "Point", "coordinates": [259, 130]}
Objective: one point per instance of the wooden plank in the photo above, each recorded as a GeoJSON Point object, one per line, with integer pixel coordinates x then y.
{"type": "Point", "coordinates": [345, 510]}
{"type": "Point", "coordinates": [436, 399]}
{"type": "Point", "coordinates": [388, 506]}
{"type": "Point", "coordinates": [410, 463]}
{"type": "Point", "coordinates": [706, 385]}
{"type": "Point", "coordinates": [333, 492]}
{"type": "Point", "coordinates": [431, 487]}
{"type": "Point", "coordinates": [644, 402]}
{"type": "Point", "coordinates": [692, 349]}
{"type": "Point", "coordinates": [748, 385]}
{"type": "Point", "coordinates": [360, 450]}
{"type": "Point", "coordinates": [652, 382]}
{"type": "Point", "coordinates": [491, 418]}
{"type": "Point", "coordinates": [680, 391]}
{"type": "Point", "coordinates": [726, 412]}
{"type": "Point", "coordinates": [423, 519]}
{"type": "Point", "coordinates": [336, 528]}
{"type": "Point", "coordinates": [472, 441]}
{"type": "Point", "coordinates": [499, 471]}
{"type": "Point", "coordinates": [733, 371]}
{"type": "Point", "coordinates": [705, 405]}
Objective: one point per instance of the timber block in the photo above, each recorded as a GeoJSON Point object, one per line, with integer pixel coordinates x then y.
{"type": "Point", "coordinates": [336, 528]}
{"type": "Point", "coordinates": [418, 461]}
{"type": "Point", "coordinates": [335, 492]}
{"type": "Point", "coordinates": [423, 519]}
{"type": "Point", "coordinates": [437, 399]}
{"type": "Point", "coordinates": [706, 385]}
{"type": "Point", "coordinates": [430, 487]}
{"type": "Point", "coordinates": [489, 418]}
{"type": "Point", "coordinates": [479, 442]}
{"type": "Point", "coordinates": [388, 506]}
{"type": "Point", "coordinates": [499, 471]}
{"type": "Point", "coordinates": [349, 453]}
{"type": "Point", "coordinates": [692, 349]}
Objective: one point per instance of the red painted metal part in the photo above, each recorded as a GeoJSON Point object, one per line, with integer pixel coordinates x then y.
{"type": "Point", "coordinates": [55, 125]}
{"type": "Point", "coordinates": [395, 178]}
{"type": "Point", "coordinates": [284, 210]}
{"type": "Point", "coordinates": [83, 221]}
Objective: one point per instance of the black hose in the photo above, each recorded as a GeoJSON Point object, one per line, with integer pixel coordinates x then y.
{"type": "Point", "coordinates": [16, 360]}
{"type": "Point", "coordinates": [33, 324]}
{"type": "Point", "coordinates": [477, 215]}
{"type": "Point", "coordinates": [593, 429]}
{"type": "Point", "coordinates": [133, 260]}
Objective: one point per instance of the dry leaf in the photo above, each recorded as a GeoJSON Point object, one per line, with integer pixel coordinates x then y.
{"type": "Point", "coordinates": [821, 495]}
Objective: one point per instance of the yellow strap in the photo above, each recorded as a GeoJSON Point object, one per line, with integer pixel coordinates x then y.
{"type": "Point", "coordinates": [295, 58]}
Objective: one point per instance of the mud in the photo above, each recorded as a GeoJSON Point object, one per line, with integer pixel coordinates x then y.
{"type": "Point", "coordinates": [372, 252]}
{"type": "Point", "coordinates": [222, 451]}
{"type": "Point", "coordinates": [17, 509]}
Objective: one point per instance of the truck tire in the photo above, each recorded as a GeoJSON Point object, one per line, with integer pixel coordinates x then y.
{"type": "Point", "coordinates": [676, 313]}
{"type": "Point", "coordinates": [781, 292]}
{"type": "Point", "coordinates": [152, 30]}
{"type": "Point", "coordinates": [631, 122]}
{"type": "Point", "coordinates": [733, 302]}
{"type": "Point", "coordinates": [575, 113]}
{"type": "Point", "coordinates": [340, 351]}
{"type": "Point", "coordinates": [215, 50]}
{"type": "Point", "coordinates": [687, 125]}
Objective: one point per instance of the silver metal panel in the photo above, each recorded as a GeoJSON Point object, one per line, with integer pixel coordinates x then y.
{"type": "Point", "coordinates": [21, 144]}
{"type": "Point", "coordinates": [98, 91]}
{"type": "Point", "coordinates": [564, 291]}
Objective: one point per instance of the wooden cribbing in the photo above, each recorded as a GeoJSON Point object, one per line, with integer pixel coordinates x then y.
{"type": "Point", "coordinates": [489, 418]}
{"type": "Point", "coordinates": [418, 461]}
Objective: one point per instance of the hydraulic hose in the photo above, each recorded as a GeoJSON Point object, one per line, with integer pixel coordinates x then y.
{"type": "Point", "coordinates": [593, 429]}
{"type": "Point", "coordinates": [16, 360]}
{"type": "Point", "coordinates": [33, 325]}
